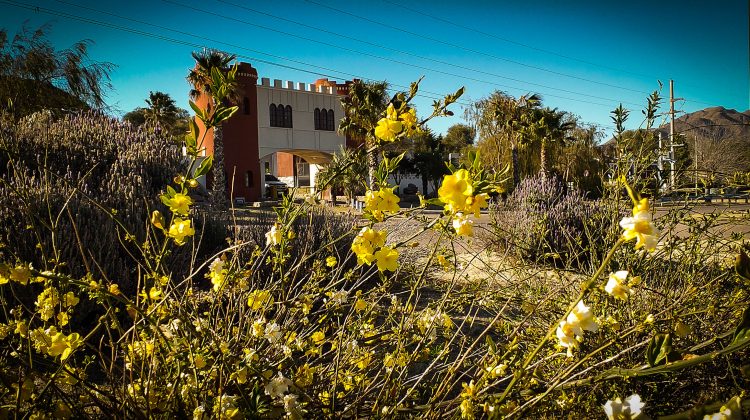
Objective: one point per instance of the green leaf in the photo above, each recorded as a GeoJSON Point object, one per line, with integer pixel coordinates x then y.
{"type": "Point", "coordinates": [170, 191]}
{"type": "Point", "coordinates": [742, 265]}
{"type": "Point", "coordinates": [222, 114]}
{"type": "Point", "coordinates": [204, 167]}
{"type": "Point", "coordinates": [198, 111]}
{"type": "Point", "coordinates": [194, 130]}
{"type": "Point", "coordinates": [491, 344]}
{"type": "Point", "coordinates": [660, 350]}
{"type": "Point", "coordinates": [742, 332]}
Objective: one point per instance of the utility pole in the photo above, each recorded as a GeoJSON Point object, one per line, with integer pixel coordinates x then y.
{"type": "Point", "coordinates": [672, 145]}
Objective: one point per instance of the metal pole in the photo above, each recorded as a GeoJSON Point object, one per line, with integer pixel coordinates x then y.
{"type": "Point", "coordinates": [671, 134]}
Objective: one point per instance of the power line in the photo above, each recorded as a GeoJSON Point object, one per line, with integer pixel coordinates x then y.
{"type": "Point", "coordinates": [110, 25]}
{"type": "Point", "coordinates": [450, 44]}
{"type": "Point", "coordinates": [366, 19]}
{"type": "Point", "coordinates": [429, 69]}
{"type": "Point", "coordinates": [510, 41]}
{"type": "Point", "coordinates": [423, 93]}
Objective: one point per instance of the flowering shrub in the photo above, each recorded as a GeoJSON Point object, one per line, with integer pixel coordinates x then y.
{"type": "Point", "coordinates": [301, 322]}
{"type": "Point", "coordinates": [543, 220]}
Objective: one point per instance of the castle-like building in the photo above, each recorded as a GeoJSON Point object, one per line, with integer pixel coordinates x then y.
{"type": "Point", "coordinates": [281, 128]}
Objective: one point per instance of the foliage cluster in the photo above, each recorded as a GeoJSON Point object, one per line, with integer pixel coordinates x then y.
{"type": "Point", "coordinates": [63, 178]}
{"type": "Point", "coordinates": [544, 220]}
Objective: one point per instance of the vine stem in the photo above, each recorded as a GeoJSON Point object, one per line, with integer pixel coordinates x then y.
{"type": "Point", "coordinates": [584, 291]}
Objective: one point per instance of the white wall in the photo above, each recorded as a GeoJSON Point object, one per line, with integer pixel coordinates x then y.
{"type": "Point", "coordinates": [303, 134]}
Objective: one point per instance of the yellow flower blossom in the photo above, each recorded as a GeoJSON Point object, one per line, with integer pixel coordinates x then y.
{"type": "Point", "coordinates": [616, 285]}
{"type": "Point", "coordinates": [114, 289]}
{"type": "Point", "coordinates": [455, 189]}
{"type": "Point", "coordinates": [640, 227]}
{"type": "Point", "coordinates": [387, 129]}
{"type": "Point", "coordinates": [199, 361]}
{"type": "Point", "coordinates": [157, 219]}
{"type": "Point", "coordinates": [387, 259]}
{"type": "Point", "coordinates": [259, 299]}
{"type": "Point", "coordinates": [388, 201]}
{"type": "Point", "coordinates": [410, 119]}
{"type": "Point", "coordinates": [318, 337]}
{"type": "Point", "coordinates": [180, 230]}
{"type": "Point", "coordinates": [274, 235]}
{"type": "Point", "coordinates": [21, 274]}
{"type": "Point", "coordinates": [463, 225]}
{"type": "Point", "coordinates": [625, 410]}
{"type": "Point", "coordinates": [70, 299]}
{"type": "Point", "coordinates": [179, 203]}
{"type": "Point", "coordinates": [360, 305]}
{"type": "Point", "coordinates": [331, 261]}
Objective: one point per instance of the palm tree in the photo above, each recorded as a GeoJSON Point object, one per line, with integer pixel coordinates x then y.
{"type": "Point", "coordinates": [202, 82]}
{"type": "Point", "coordinates": [551, 126]}
{"type": "Point", "coordinates": [363, 107]}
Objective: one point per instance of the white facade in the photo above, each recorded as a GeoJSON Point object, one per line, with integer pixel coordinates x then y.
{"type": "Point", "coordinates": [302, 136]}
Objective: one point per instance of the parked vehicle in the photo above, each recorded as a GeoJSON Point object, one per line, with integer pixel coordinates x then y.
{"type": "Point", "coordinates": [274, 185]}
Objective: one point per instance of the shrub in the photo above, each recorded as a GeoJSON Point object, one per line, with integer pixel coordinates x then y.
{"type": "Point", "coordinates": [543, 220]}
{"type": "Point", "coordinates": [65, 179]}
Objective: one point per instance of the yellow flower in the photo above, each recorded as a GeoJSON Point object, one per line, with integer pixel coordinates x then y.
{"type": "Point", "coordinates": [63, 318]}
{"type": "Point", "coordinates": [114, 289]}
{"type": "Point", "coordinates": [387, 259]}
{"type": "Point", "coordinates": [455, 189]}
{"type": "Point", "coordinates": [462, 225]}
{"type": "Point", "coordinates": [259, 299]}
{"type": "Point", "coordinates": [331, 261]}
{"type": "Point", "coordinates": [387, 129]}
{"type": "Point", "coordinates": [360, 305]}
{"type": "Point", "coordinates": [318, 337]}
{"type": "Point", "coordinates": [371, 200]}
{"type": "Point", "coordinates": [640, 227]}
{"type": "Point", "coordinates": [180, 230]}
{"type": "Point", "coordinates": [70, 299]}
{"type": "Point", "coordinates": [241, 375]}
{"type": "Point", "coordinates": [567, 334]}
{"type": "Point", "coordinates": [388, 201]}
{"type": "Point", "coordinates": [21, 274]}
{"type": "Point", "coordinates": [582, 316]}
{"type": "Point", "coordinates": [625, 410]}
{"type": "Point", "coordinates": [199, 361]}
{"type": "Point", "coordinates": [22, 329]}
{"type": "Point", "coordinates": [157, 219]}
{"type": "Point", "coordinates": [179, 203]}
{"type": "Point", "coordinates": [154, 293]}
{"type": "Point", "coordinates": [273, 236]}
{"type": "Point", "coordinates": [475, 203]}
{"type": "Point", "coordinates": [616, 285]}
{"type": "Point", "coordinates": [410, 119]}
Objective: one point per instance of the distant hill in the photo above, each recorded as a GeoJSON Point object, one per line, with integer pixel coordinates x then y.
{"type": "Point", "coordinates": [716, 123]}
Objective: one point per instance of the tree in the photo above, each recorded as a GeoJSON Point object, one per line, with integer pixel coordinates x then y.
{"type": "Point", "coordinates": [363, 107]}
{"type": "Point", "coordinates": [504, 121]}
{"type": "Point", "coordinates": [162, 112]}
{"type": "Point", "coordinates": [552, 126]}
{"type": "Point", "coordinates": [201, 79]}
{"type": "Point", "coordinates": [429, 158]}
{"type": "Point", "coordinates": [344, 171]}
{"type": "Point", "coordinates": [35, 76]}
{"type": "Point", "coordinates": [458, 137]}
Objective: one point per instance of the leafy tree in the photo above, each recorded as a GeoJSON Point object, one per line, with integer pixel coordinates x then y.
{"type": "Point", "coordinates": [503, 121]}
{"type": "Point", "coordinates": [161, 111]}
{"type": "Point", "coordinates": [35, 76]}
{"type": "Point", "coordinates": [363, 107]}
{"type": "Point", "coordinates": [550, 126]}
{"type": "Point", "coordinates": [343, 172]}
{"type": "Point", "coordinates": [429, 158]}
{"type": "Point", "coordinates": [201, 78]}
{"type": "Point", "coordinates": [458, 137]}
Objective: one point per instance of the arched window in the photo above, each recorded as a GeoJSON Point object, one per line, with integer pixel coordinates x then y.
{"type": "Point", "coordinates": [249, 179]}
{"type": "Point", "coordinates": [330, 121]}
{"type": "Point", "coordinates": [288, 116]}
{"type": "Point", "coordinates": [272, 114]}
{"type": "Point", "coordinates": [322, 119]}
{"type": "Point", "coordinates": [246, 106]}
{"type": "Point", "coordinates": [280, 116]}
{"type": "Point", "coordinates": [317, 118]}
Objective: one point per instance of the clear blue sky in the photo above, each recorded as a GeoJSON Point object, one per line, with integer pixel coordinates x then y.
{"type": "Point", "coordinates": [581, 56]}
